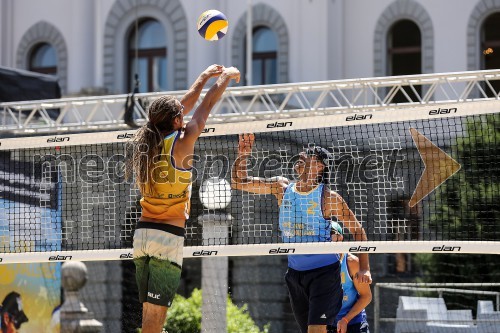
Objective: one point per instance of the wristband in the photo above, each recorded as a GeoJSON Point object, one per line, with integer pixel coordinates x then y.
{"type": "Point", "coordinates": [346, 321]}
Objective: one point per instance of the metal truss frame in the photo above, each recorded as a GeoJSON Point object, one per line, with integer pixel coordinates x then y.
{"type": "Point", "coordinates": [247, 103]}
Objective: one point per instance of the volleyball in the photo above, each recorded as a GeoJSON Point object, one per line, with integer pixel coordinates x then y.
{"type": "Point", "coordinates": [215, 193]}
{"type": "Point", "coordinates": [212, 25]}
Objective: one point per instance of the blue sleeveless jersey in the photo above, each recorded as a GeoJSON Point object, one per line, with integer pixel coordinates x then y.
{"type": "Point", "coordinates": [301, 221]}
{"type": "Point", "coordinates": [350, 295]}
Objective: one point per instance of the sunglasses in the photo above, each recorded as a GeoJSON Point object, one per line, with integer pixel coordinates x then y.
{"type": "Point", "coordinates": [179, 112]}
{"type": "Point", "coordinates": [15, 321]}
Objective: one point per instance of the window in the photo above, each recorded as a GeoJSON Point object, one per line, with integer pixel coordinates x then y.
{"type": "Point", "coordinates": [404, 54]}
{"type": "Point", "coordinates": [264, 56]}
{"type": "Point", "coordinates": [43, 59]}
{"type": "Point", "coordinates": [490, 47]}
{"type": "Point", "coordinates": [273, 25]}
{"type": "Point", "coordinates": [147, 56]}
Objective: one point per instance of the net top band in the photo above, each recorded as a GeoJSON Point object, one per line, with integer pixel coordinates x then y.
{"type": "Point", "coordinates": [279, 124]}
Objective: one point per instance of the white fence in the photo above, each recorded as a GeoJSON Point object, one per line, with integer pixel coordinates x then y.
{"type": "Point", "coordinates": [423, 308]}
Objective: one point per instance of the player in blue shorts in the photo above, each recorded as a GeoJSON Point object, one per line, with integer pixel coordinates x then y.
{"type": "Point", "coordinates": [306, 207]}
{"type": "Point", "coordinates": [357, 296]}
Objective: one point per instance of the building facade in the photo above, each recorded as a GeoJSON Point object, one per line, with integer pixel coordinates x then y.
{"type": "Point", "coordinates": [103, 43]}
{"type": "Point", "coordinates": [100, 45]}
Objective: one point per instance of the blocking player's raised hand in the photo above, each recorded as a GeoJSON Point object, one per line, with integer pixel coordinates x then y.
{"type": "Point", "coordinates": [197, 122]}
{"type": "Point", "coordinates": [189, 100]}
{"type": "Point", "coordinates": [213, 70]}
{"type": "Point", "coordinates": [232, 72]}
{"type": "Point", "coordinates": [245, 143]}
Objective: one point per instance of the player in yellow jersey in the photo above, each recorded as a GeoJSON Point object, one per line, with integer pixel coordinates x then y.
{"type": "Point", "coordinates": [162, 162]}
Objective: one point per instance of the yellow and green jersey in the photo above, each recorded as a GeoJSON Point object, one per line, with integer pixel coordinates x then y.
{"type": "Point", "coordinates": [169, 196]}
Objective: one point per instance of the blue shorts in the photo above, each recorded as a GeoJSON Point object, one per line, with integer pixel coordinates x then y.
{"type": "Point", "coordinates": [361, 327]}
{"type": "Point", "coordinates": [315, 295]}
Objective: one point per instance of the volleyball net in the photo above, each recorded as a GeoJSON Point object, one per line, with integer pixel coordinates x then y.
{"type": "Point", "coordinates": [419, 180]}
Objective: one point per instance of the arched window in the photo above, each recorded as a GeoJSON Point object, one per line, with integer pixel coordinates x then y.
{"type": "Point", "coordinates": [264, 56]}
{"type": "Point", "coordinates": [490, 47]}
{"type": "Point", "coordinates": [404, 54]}
{"type": "Point", "coordinates": [147, 56]}
{"type": "Point", "coordinates": [43, 59]}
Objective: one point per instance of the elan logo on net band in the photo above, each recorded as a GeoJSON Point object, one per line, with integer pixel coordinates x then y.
{"type": "Point", "coordinates": [442, 111]}
{"type": "Point", "coordinates": [445, 248]}
{"type": "Point", "coordinates": [60, 258]}
{"type": "Point", "coordinates": [58, 139]}
{"type": "Point", "coordinates": [204, 253]}
{"type": "Point", "coordinates": [359, 117]}
{"type": "Point", "coordinates": [354, 249]}
{"type": "Point", "coordinates": [278, 124]}
{"type": "Point", "coordinates": [125, 136]}
{"type": "Point", "coordinates": [208, 130]}
{"type": "Point", "coordinates": [279, 250]}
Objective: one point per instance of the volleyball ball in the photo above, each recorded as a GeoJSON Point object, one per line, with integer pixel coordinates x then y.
{"type": "Point", "coordinates": [212, 25]}
{"type": "Point", "coordinates": [215, 193]}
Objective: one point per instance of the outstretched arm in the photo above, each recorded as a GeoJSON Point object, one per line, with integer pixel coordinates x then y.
{"type": "Point", "coordinates": [197, 122]}
{"type": "Point", "coordinates": [336, 206]}
{"type": "Point", "coordinates": [239, 175]}
{"type": "Point", "coordinates": [365, 295]}
{"type": "Point", "coordinates": [192, 95]}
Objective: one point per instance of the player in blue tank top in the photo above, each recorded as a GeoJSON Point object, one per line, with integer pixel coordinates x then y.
{"type": "Point", "coordinates": [357, 296]}
{"type": "Point", "coordinates": [306, 207]}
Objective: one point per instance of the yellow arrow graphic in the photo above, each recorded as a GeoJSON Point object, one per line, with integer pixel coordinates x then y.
{"type": "Point", "coordinates": [439, 166]}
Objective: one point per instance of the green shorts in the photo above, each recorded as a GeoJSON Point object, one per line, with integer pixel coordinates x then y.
{"type": "Point", "coordinates": [158, 261]}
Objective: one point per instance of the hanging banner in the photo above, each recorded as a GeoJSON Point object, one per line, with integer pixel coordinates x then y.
{"type": "Point", "coordinates": [30, 220]}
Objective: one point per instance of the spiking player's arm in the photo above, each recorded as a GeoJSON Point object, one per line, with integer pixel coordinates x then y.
{"type": "Point", "coordinates": [192, 95]}
{"type": "Point", "coordinates": [197, 123]}
{"type": "Point", "coordinates": [239, 175]}
{"type": "Point", "coordinates": [336, 206]}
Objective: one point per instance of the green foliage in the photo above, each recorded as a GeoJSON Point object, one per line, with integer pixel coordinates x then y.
{"type": "Point", "coordinates": [469, 202]}
{"type": "Point", "coordinates": [239, 320]}
{"type": "Point", "coordinates": [185, 316]}
{"type": "Point", "coordinates": [467, 207]}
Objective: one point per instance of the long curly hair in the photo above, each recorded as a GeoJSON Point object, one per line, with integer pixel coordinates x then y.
{"type": "Point", "coordinates": [148, 141]}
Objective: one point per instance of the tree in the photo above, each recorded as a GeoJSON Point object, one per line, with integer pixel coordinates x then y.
{"type": "Point", "coordinates": [185, 316]}
{"type": "Point", "coordinates": [467, 207]}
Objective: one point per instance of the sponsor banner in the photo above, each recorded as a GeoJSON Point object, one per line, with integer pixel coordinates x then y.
{"type": "Point", "coordinates": [313, 121]}
{"type": "Point", "coordinates": [344, 247]}
{"type": "Point", "coordinates": [38, 286]}
{"type": "Point", "coordinates": [30, 220]}
{"type": "Point", "coordinates": [267, 249]}
{"type": "Point", "coordinates": [63, 256]}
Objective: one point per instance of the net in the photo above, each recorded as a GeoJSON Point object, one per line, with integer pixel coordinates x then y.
{"type": "Point", "coordinates": [426, 177]}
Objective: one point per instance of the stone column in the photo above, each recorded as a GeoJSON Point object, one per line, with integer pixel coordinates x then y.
{"type": "Point", "coordinates": [214, 273]}
{"type": "Point", "coordinates": [75, 317]}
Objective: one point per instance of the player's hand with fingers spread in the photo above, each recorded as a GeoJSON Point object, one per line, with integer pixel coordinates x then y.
{"type": "Point", "coordinates": [213, 70]}
{"type": "Point", "coordinates": [245, 143]}
{"type": "Point", "coordinates": [233, 73]}
{"type": "Point", "coordinates": [364, 277]}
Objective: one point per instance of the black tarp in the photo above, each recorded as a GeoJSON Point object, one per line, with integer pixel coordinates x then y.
{"type": "Point", "coordinates": [19, 85]}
